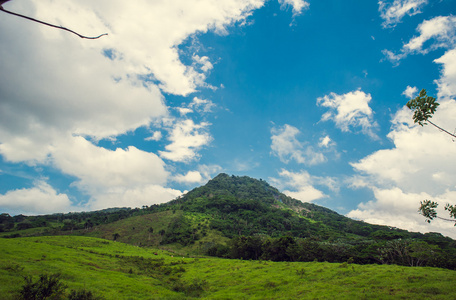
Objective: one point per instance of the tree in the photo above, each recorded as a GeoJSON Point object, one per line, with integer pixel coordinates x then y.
{"type": "Point", "coordinates": [424, 107]}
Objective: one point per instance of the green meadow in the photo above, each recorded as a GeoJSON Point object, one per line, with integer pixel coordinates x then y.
{"type": "Point", "coordinates": [114, 270]}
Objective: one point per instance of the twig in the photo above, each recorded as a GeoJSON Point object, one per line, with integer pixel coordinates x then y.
{"type": "Point", "coordinates": [51, 25]}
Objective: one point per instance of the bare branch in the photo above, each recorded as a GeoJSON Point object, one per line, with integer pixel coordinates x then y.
{"type": "Point", "coordinates": [440, 128]}
{"type": "Point", "coordinates": [51, 25]}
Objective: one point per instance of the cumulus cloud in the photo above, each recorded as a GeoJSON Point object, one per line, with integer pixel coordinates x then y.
{"type": "Point", "coordinates": [300, 185]}
{"type": "Point", "coordinates": [418, 167]}
{"type": "Point", "coordinates": [350, 110]}
{"type": "Point", "coordinates": [441, 31]}
{"type": "Point", "coordinates": [59, 91]}
{"type": "Point", "coordinates": [410, 92]}
{"type": "Point", "coordinates": [392, 13]}
{"type": "Point", "coordinates": [203, 62]}
{"type": "Point", "coordinates": [98, 168]}
{"type": "Point", "coordinates": [190, 177]}
{"type": "Point", "coordinates": [325, 142]}
{"type": "Point", "coordinates": [286, 146]}
{"type": "Point", "coordinates": [394, 207]}
{"type": "Point", "coordinates": [418, 153]}
{"type": "Point", "coordinates": [446, 84]}
{"type": "Point", "coordinates": [133, 197]}
{"type": "Point", "coordinates": [186, 139]}
{"type": "Point", "coordinates": [204, 174]}
{"type": "Point", "coordinates": [40, 199]}
{"type": "Point", "coordinates": [156, 136]}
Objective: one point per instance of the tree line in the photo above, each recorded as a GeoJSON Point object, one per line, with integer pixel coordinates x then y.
{"type": "Point", "coordinates": [406, 252]}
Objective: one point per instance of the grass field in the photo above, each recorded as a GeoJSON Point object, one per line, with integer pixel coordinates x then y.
{"type": "Point", "coordinates": [116, 270]}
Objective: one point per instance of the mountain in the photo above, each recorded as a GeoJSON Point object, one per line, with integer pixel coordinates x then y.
{"type": "Point", "coordinates": [246, 206]}
{"type": "Point", "coordinates": [242, 217]}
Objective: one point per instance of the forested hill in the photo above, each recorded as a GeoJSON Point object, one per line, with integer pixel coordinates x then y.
{"type": "Point", "coordinates": [249, 206]}
{"type": "Point", "coordinates": [242, 217]}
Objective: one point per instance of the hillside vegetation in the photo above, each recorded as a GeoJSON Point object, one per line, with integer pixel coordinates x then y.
{"type": "Point", "coordinates": [244, 218]}
{"type": "Point", "coordinates": [114, 270]}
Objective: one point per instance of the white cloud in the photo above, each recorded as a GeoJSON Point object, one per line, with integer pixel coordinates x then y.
{"type": "Point", "coordinates": [441, 30]}
{"type": "Point", "coordinates": [156, 136]}
{"type": "Point", "coordinates": [419, 166]}
{"type": "Point", "coordinates": [203, 62]}
{"type": "Point", "coordinates": [325, 142]}
{"type": "Point", "coordinates": [447, 81]}
{"type": "Point", "coordinates": [418, 153]}
{"type": "Point", "coordinates": [203, 175]}
{"type": "Point", "coordinates": [300, 185]}
{"type": "Point", "coordinates": [190, 177]}
{"type": "Point", "coordinates": [57, 88]}
{"type": "Point", "coordinates": [202, 105]}
{"type": "Point", "coordinates": [98, 168]}
{"type": "Point", "coordinates": [112, 178]}
{"type": "Point", "coordinates": [286, 146]}
{"type": "Point", "coordinates": [410, 92]}
{"type": "Point", "coordinates": [297, 5]}
{"type": "Point", "coordinates": [186, 139]}
{"type": "Point", "coordinates": [184, 111]}
{"type": "Point", "coordinates": [392, 13]}
{"type": "Point", "coordinates": [40, 199]}
{"type": "Point", "coordinates": [133, 197]}
{"type": "Point", "coordinates": [349, 110]}
{"type": "Point", "coordinates": [394, 207]}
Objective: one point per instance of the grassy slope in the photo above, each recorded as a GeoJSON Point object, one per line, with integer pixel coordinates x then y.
{"type": "Point", "coordinates": [92, 263]}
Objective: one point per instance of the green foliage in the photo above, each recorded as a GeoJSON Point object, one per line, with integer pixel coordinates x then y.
{"type": "Point", "coordinates": [427, 209]}
{"type": "Point", "coordinates": [83, 295]}
{"type": "Point", "coordinates": [46, 287]}
{"type": "Point", "coordinates": [301, 272]}
{"type": "Point", "coordinates": [261, 223]}
{"type": "Point", "coordinates": [407, 252]}
{"type": "Point", "coordinates": [193, 288]}
{"type": "Point", "coordinates": [90, 264]}
{"type": "Point", "coordinates": [423, 107]}
{"type": "Point", "coordinates": [452, 210]}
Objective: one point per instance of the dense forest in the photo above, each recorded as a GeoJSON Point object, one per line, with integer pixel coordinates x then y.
{"type": "Point", "coordinates": [257, 222]}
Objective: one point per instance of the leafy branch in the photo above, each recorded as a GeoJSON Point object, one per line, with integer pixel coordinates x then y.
{"type": "Point", "coordinates": [47, 24]}
{"type": "Point", "coordinates": [427, 209]}
{"type": "Point", "coordinates": [424, 108]}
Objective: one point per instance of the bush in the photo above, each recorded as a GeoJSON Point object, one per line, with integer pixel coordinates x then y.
{"type": "Point", "coordinates": [83, 295]}
{"type": "Point", "coordinates": [46, 287]}
{"type": "Point", "coordinates": [191, 289]}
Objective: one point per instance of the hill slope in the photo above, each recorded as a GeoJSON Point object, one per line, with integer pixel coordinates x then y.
{"type": "Point", "coordinates": [115, 270]}
{"type": "Point", "coordinates": [241, 217]}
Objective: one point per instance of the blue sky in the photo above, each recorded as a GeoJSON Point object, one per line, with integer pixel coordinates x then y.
{"type": "Point", "coordinates": [308, 95]}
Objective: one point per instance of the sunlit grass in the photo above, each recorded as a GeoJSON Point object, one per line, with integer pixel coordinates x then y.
{"type": "Point", "coordinates": [116, 271]}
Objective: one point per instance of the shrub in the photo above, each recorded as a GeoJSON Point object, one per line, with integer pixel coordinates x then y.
{"type": "Point", "coordinates": [46, 287]}
{"type": "Point", "coordinates": [191, 289]}
{"type": "Point", "coordinates": [83, 295]}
